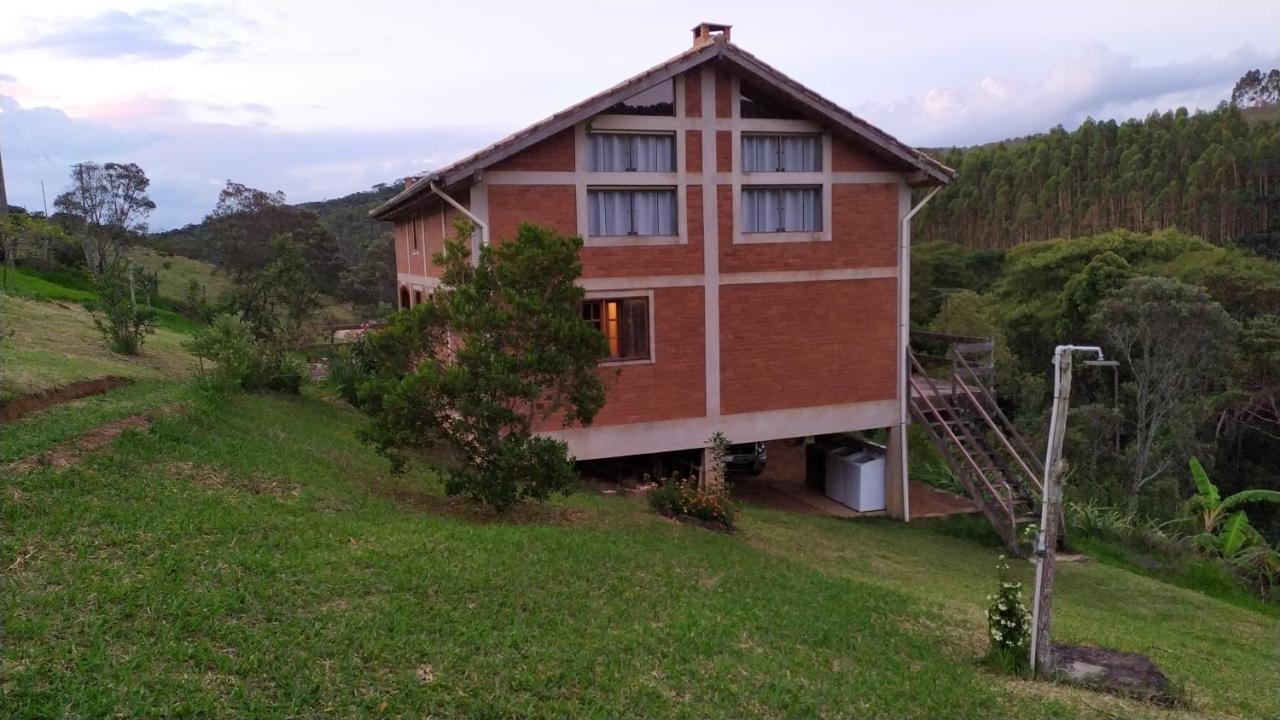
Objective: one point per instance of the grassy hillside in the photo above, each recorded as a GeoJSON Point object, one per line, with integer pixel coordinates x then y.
{"type": "Point", "coordinates": [176, 273]}
{"type": "Point", "coordinates": [53, 342]}
{"type": "Point", "coordinates": [259, 560]}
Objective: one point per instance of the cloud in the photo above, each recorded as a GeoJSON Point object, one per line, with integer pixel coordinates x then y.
{"type": "Point", "coordinates": [7, 78]}
{"type": "Point", "coordinates": [189, 160]}
{"type": "Point", "coordinates": [1090, 82]}
{"type": "Point", "coordinates": [114, 34]}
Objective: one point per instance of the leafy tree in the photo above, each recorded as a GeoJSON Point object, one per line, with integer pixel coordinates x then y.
{"type": "Point", "coordinates": [494, 352]}
{"type": "Point", "coordinates": [106, 203]}
{"type": "Point", "coordinates": [1254, 89]}
{"type": "Point", "coordinates": [1104, 274]}
{"type": "Point", "coordinates": [1172, 339]}
{"type": "Point", "coordinates": [279, 255]}
{"type": "Point", "coordinates": [124, 323]}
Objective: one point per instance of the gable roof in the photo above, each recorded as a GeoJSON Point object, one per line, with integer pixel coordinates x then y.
{"type": "Point", "coordinates": [931, 171]}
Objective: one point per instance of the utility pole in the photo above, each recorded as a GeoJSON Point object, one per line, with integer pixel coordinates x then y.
{"type": "Point", "coordinates": [1051, 508]}
{"type": "Point", "coordinates": [4, 228]}
{"type": "Point", "coordinates": [4, 199]}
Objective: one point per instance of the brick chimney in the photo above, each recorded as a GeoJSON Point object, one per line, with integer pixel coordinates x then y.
{"type": "Point", "coordinates": [409, 181]}
{"type": "Point", "coordinates": [707, 33]}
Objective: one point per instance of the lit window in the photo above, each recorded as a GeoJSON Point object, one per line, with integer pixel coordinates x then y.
{"type": "Point", "coordinates": [781, 153]}
{"type": "Point", "coordinates": [624, 323]}
{"type": "Point", "coordinates": [631, 212]}
{"type": "Point", "coordinates": [632, 152]}
{"type": "Point", "coordinates": [781, 209]}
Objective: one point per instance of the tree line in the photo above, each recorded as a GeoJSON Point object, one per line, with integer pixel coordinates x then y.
{"type": "Point", "coordinates": [1214, 174]}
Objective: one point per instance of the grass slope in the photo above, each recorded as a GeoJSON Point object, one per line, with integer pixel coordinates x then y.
{"type": "Point", "coordinates": [176, 272]}
{"type": "Point", "coordinates": [53, 343]}
{"type": "Point", "coordinates": [260, 561]}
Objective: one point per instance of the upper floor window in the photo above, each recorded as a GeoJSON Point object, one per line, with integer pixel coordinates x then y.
{"type": "Point", "coordinates": [624, 322]}
{"type": "Point", "coordinates": [781, 209]}
{"type": "Point", "coordinates": [631, 212]}
{"type": "Point", "coordinates": [632, 152]}
{"type": "Point", "coordinates": [657, 100]}
{"type": "Point", "coordinates": [754, 103]}
{"type": "Point", "coordinates": [782, 153]}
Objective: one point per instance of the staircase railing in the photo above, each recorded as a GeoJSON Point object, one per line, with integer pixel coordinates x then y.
{"type": "Point", "coordinates": [1033, 475]}
{"type": "Point", "coordinates": [948, 426]}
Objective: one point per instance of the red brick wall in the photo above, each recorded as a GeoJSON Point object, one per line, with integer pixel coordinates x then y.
{"type": "Point", "coordinates": [673, 386]}
{"type": "Point", "coordinates": [864, 233]}
{"type": "Point", "coordinates": [789, 345]}
{"type": "Point", "coordinates": [693, 93]}
{"type": "Point", "coordinates": [724, 94]}
{"type": "Point", "coordinates": [431, 236]}
{"type": "Point", "coordinates": [401, 230]}
{"type": "Point", "coordinates": [553, 206]}
{"type": "Point", "coordinates": [554, 153]}
{"type": "Point", "coordinates": [724, 151]}
{"type": "Point", "coordinates": [693, 151]}
{"type": "Point", "coordinates": [848, 157]}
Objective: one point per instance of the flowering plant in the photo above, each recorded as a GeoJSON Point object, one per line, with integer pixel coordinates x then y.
{"type": "Point", "coordinates": [1008, 621]}
{"type": "Point", "coordinates": [682, 496]}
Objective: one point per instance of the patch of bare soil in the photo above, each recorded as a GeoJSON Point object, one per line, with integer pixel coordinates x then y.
{"type": "Point", "coordinates": [69, 453]}
{"type": "Point", "coordinates": [258, 483]}
{"type": "Point", "coordinates": [1130, 675]}
{"type": "Point", "coordinates": [27, 404]}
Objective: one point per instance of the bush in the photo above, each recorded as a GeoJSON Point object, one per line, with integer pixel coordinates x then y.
{"type": "Point", "coordinates": [124, 323]}
{"type": "Point", "coordinates": [349, 368]}
{"type": "Point", "coordinates": [1008, 624]}
{"type": "Point", "coordinates": [240, 361]}
{"type": "Point", "coordinates": [682, 496]}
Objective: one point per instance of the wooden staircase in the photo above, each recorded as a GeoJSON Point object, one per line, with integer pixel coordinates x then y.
{"type": "Point", "coordinates": [950, 380]}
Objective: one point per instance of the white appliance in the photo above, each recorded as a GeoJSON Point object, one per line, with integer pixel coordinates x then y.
{"type": "Point", "coordinates": [864, 491]}
{"type": "Point", "coordinates": [838, 476]}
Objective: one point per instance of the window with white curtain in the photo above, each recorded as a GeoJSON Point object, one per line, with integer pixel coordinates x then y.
{"type": "Point", "coordinates": [782, 153]}
{"type": "Point", "coordinates": [632, 152]}
{"type": "Point", "coordinates": [631, 212]}
{"type": "Point", "coordinates": [781, 209]}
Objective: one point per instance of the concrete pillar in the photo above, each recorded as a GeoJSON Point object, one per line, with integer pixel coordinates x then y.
{"type": "Point", "coordinates": [896, 503]}
{"type": "Point", "coordinates": [711, 477]}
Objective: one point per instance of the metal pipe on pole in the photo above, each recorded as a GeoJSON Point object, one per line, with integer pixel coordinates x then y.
{"type": "Point", "coordinates": [1051, 508]}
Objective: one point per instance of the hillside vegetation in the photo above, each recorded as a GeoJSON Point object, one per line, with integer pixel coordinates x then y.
{"type": "Point", "coordinates": [51, 340]}
{"type": "Point", "coordinates": [1214, 174]}
{"type": "Point", "coordinates": [261, 561]}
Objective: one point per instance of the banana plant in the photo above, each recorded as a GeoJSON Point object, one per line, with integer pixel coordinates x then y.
{"type": "Point", "coordinates": [1221, 529]}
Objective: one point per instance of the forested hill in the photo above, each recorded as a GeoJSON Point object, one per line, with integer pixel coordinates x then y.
{"type": "Point", "coordinates": [347, 217]}
{"type": "Point", "coordinates": [1215, 174]}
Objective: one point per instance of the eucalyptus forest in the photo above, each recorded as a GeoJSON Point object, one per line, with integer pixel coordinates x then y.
{"type": "Point", "coordinates": [1158, 239]}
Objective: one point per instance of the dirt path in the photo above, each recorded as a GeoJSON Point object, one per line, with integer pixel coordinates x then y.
{"type": "Point", "coordinates": [70, 452]}
{"type": "Point", "coordinates": [27, 404]}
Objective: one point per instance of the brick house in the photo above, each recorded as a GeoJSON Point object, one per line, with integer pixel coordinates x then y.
{"type": "Point", "coordinates": [745, 250]}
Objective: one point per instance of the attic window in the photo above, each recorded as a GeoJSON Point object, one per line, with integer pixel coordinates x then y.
{"type": "Point", "coordinates": [657, 100]}
{"type": "Point", "coordinates": [755, 104]}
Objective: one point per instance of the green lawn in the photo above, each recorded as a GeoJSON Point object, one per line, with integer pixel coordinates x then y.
{"type": "Point", "coordinates": [259, 561]}
{"type": "Point", "coordinates": [53, 342]}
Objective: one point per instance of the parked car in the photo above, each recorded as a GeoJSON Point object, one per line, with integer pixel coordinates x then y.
{"type": "Point", "coordinates": [745, 458]}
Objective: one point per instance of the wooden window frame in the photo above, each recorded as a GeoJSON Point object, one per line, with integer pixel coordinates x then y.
{"type": "Point", "coordinates": [601, 300]}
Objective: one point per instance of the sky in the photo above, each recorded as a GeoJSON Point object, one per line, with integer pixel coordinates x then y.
{"type": "Point", "coordinates": [319, 99]}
